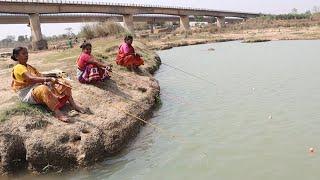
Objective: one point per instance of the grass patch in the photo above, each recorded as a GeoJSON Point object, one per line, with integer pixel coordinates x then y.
{"type": "Point", "coordinates": [255, 40]}
{"type": "Point", "coordinates": [101, 56]}
{"type": "Point", "coordinates": [99, 47]}
{"type": "Point", "coordinates": [72, 53]}
{"type": "Point", "coordinates": [158, 100]}
{"type": "Point", "coordinates": [24, 109]}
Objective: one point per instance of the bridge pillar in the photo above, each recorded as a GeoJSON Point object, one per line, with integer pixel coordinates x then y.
{"type": "Point", "coordinates": [184, 22]}
{"type": "Point", "coordinates": [128, 23]}
{"type": "Point", "coordinates": [152, 23]}
{"type": "Point", "coordinates": [221, 22]}
{"type": "Point", "coordinates": [38, 43]}
{"type": "Point", "coordinates": [152, 28]}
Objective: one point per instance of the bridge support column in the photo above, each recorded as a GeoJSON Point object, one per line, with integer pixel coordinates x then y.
{"type": "Point", "coordinates": [152, 28]}
{"type": "Point", "coordinates": [221, 22]}
{"type": "Point", "coordinates": [184, 23]}
{"type": "Point", "coordinates": [38, 43]}
{"type": "Point", "coordinates": [128, 23]}
{"type": "Point", "coordinates": [152, 25]}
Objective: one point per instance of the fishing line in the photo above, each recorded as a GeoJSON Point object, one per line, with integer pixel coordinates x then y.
{"type": "Point", "coordinates": [161, 130]}
{"type": "Point", "coordinates": [178, 99]}
{"type": "Point", "coordinates": [190, 74]}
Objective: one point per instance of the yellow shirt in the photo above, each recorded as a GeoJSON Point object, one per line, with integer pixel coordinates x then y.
{"type": "Point", "coordinates": [17, 73]}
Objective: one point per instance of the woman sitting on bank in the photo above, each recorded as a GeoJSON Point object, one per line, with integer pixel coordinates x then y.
{"type": "Point", "coordinates": [33, 88]}
{"type": "Point", "coordinates": [127, 56]}
{"type": "Point", "coordinates": [90, 70]}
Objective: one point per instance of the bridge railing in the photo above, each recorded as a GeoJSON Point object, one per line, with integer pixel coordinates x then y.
{"type": "Point", "coordinates": [103, 3]}
{"type": "Point", "coordinates": [117, 4]}
{"type": "Point", "coordinates": [91, 15]}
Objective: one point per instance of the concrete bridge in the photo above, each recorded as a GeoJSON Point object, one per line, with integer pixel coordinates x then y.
{"type": "Point", "coordinates": [36, 7]}
{"type": "Point", "coordinates": [80, 18]}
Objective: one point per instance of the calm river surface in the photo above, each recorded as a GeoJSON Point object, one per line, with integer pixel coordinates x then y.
{"type": "Point", "coordinates": [256, 123]}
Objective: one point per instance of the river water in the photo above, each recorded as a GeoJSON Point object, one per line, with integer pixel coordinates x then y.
{"type": "Point", "coordinates": [257, 121]}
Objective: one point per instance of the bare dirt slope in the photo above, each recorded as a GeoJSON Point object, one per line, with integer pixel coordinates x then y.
{"type": "Point", "coordinates": [31, 138]}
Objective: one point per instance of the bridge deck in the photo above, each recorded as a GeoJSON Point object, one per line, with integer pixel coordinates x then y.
{"type": "Point", "coordinates": [59, 6]}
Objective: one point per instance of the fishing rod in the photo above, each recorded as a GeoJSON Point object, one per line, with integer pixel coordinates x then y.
{"type": "Point", "coordinates": [161, 130]}
{"type": "Point", "coordinates": [190, 74]}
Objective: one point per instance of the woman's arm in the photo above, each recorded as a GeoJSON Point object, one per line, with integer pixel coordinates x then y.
{"type": "Point", "coordinates": [134, 54]}
{"type": "Point", "coordinates": [35, 79]}
{"type": "Point", "coordinates": [127, 54]}
{"type": "Point", "coordinates": [131, 51]}
{"type": "Point", "coordinates": [127, 50]}
{"type": "Point", "coordinates": [92, 60]}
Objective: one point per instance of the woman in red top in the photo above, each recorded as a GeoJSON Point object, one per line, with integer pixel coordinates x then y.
{"type": "Point", "coordinates": [127, 56]}
{"type": "Point", "coordinates": [89, 69]}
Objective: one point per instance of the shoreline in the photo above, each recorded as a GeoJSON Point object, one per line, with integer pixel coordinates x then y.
{"type": "Point", "coordinates": [55, 147]}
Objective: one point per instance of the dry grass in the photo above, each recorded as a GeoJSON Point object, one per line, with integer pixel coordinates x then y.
{"type": "Point", "coordinates": [264, 23]}
{"type": "Point", "coordinates": [87, 32]}
{"type": "Point", "coordinates": [23, 109]}
{"type": "Point", "coordinates": [103, 29]}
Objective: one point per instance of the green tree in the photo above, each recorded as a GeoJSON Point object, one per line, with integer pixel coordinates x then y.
{"type": "Point", "coordinates": [315, 9]}
{"type": "Point", "coordinates": [10, 38]}
{"type": "Point", "coordinates": [294, 11]}
{"type": "Point", "coordinates": [199, 18]}
{"type": "Point", "coordinates": [21, 38]}
{"type": "Point", "coordinates": [69, 31]}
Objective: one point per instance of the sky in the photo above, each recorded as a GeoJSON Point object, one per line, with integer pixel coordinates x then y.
{"type": "Point", "coordinates": [256, 6]}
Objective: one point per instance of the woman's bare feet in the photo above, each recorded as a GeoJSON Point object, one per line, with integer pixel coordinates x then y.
{"type": "Point", "coordinates": [79, 109]}
{"type": "Point", "coordinates": [137, 69]}
{"type": "Point", "coordinates": [129, 68]}
{"type": "Point", "coordinates": [75, 106]}
{"type": "Point", "coordinates": [60, 116]}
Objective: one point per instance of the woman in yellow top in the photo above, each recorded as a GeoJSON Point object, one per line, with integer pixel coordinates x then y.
{"type": "Point", "coordinates": [33, 88]}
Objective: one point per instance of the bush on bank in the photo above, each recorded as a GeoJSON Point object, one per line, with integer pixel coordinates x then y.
{"type": "Point", "coordinates": [103, 29]}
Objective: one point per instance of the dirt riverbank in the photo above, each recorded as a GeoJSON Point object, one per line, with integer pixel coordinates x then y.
{"type": "Point", "coordinates": [30, 138]}
{"type": "Point", "coordinates": [203, 36]}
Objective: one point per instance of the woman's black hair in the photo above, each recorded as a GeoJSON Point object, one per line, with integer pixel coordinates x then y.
{"type": "Point", "coordinates": [15, 52]}
{"type": "Point", "coordinates": [128, 37]}
{"type": "Point", "coordinates": [85, 44]}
